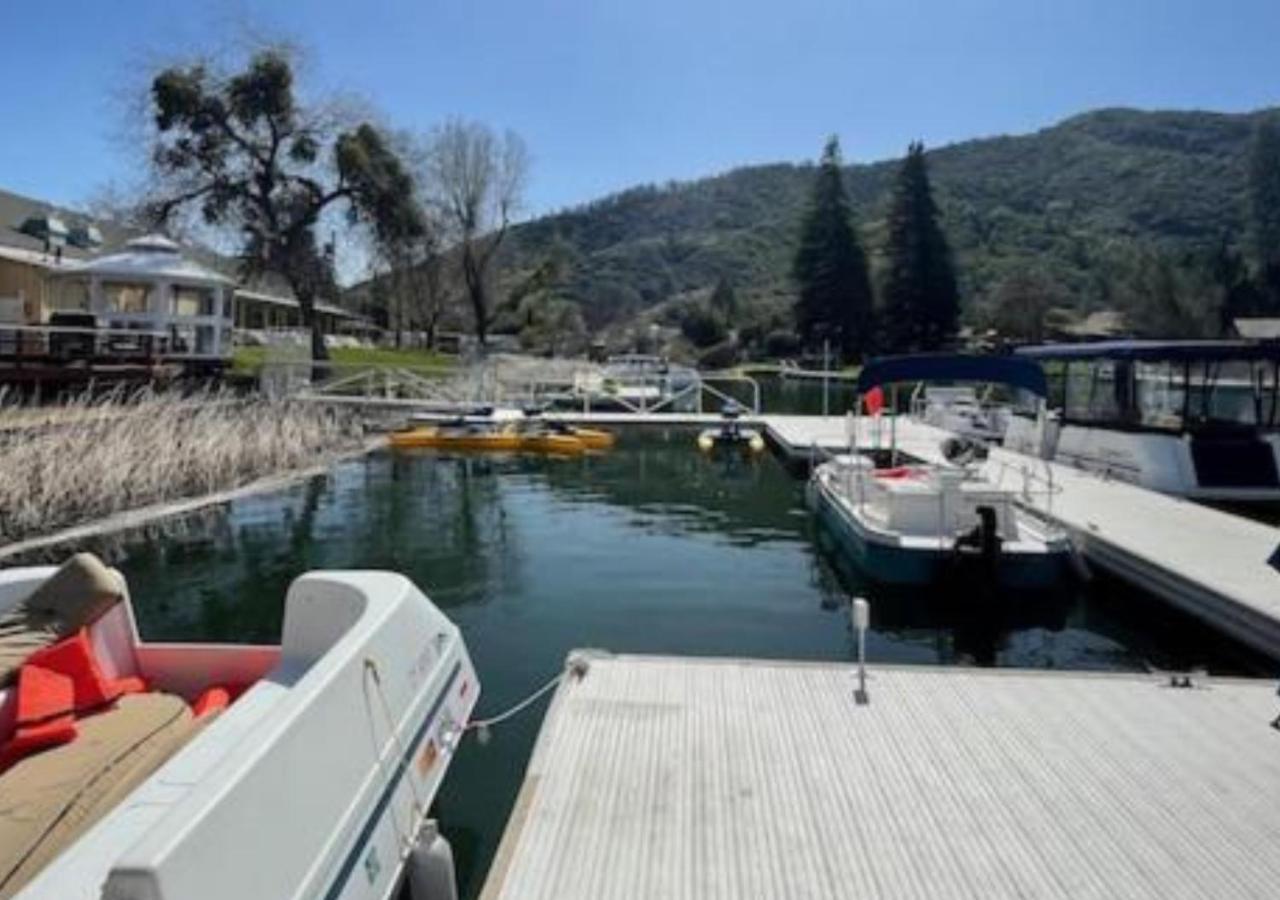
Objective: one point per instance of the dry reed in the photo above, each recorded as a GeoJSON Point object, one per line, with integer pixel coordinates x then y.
{"type": "Point", "coordinates": [96, 456]}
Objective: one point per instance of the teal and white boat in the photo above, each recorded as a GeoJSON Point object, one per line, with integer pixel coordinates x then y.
{"type": "Point", "coordinates": [917, 524]}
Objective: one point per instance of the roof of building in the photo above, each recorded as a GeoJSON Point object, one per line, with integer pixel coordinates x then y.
{"type": "Point", "coordinates": [152, 256]}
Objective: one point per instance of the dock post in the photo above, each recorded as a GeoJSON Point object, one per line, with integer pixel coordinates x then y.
{"type": "Point", "coordinates": [861, 619]}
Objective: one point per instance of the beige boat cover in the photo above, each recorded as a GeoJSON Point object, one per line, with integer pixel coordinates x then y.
{"type": "Point", "coordinates": [80, 591]}
{"type": "Point", "coordinates": [50, 799]}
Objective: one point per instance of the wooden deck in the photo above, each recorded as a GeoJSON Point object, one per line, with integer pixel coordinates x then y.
{"type": "Point", "coordinates": [681, 778]}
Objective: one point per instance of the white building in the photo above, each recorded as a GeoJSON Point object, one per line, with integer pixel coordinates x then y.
{"type": "Point", "coordinates": [151, 287]}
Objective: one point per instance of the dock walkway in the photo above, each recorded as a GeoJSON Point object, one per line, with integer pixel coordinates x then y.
{"type": "Point", "coordinates": [684, 778]}
{"type": "Point", "coordinates": [1210, 563]}
{"type": "Point", "coordinates": [796, 436]}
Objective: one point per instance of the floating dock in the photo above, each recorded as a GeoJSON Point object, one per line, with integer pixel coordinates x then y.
{"type": "Point", "coordinates": [1212, 564]}
{"type": "Point", "coordinates": [798, 438]}
{"type": "Point", "coordinates": [683, 778]}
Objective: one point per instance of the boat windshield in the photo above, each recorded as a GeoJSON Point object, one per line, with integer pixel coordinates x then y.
{"type": "Point", "coordinates": [1167, 395]}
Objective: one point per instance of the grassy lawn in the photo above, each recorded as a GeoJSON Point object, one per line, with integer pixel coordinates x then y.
{"type": "Point", "coordinates": [250, 359]}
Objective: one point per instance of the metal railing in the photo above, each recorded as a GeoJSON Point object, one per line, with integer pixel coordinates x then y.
{"type": "Point", "coordinates": [1047, 489]}
{"type": "Point", "coordinates": [491, 385]}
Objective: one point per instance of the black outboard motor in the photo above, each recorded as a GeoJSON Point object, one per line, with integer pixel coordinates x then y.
{"type": "Point", "coordinates": [961, 451]}
{"type": "Point", "coordinates": [983, 541]}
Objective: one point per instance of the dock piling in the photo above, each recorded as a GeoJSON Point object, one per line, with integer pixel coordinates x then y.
{"type": "Point", "coordinates": [861, 619]}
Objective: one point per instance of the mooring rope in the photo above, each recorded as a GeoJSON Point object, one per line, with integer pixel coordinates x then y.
{"type": "Point", "coordinates": [576, 666]}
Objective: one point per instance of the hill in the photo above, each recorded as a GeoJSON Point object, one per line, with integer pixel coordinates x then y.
{"type": "Point", "coordinates": [1070, 200]}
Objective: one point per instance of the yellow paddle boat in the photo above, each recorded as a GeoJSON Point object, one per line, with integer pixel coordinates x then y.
{"type": "Point", "coordinates": [551, 442]}
{"type": "Point", "coordinates": [459, 437]}
{"type": "Point", "coordinates": [731, 435]}
{"type": "Point", "coordinates": [591, 438]}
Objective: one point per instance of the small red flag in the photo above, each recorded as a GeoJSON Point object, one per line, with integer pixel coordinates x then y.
{"type": "Point", "coordinates": [874, 400]}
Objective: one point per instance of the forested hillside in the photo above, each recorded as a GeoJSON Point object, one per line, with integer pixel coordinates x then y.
{"type": "Point", "coordinates": [1077, 202]}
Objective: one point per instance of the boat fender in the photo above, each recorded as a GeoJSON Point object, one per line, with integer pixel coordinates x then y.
{"type": "Point", "coordinates": [430, 870]}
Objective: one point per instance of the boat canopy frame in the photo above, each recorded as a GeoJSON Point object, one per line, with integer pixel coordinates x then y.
{"type": "Point", "coordinates": [1011, 370]}
{"type": "Point", "coordinates": [1157, 351]}
{"type": "Point", "coordinates": [1195, 371]}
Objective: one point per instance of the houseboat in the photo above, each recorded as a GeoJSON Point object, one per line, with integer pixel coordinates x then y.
{"type": "Point", "coordinates": [1199, 419]}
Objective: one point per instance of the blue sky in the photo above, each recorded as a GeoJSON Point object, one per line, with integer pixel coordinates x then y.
{"type": "Point", "coordinates": [610, 94]}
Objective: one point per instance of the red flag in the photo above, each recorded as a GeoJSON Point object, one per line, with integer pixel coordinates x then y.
{"type": "Point", "coordinates": [874, 400]}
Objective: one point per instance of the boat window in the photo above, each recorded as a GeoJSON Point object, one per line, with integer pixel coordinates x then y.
{"type": "Point", "coordinates": [1232, 393]}
{"type": "Point", "coordinates": [1161, 394]}
{"type": "Point", "coordinates": [1096, 391]}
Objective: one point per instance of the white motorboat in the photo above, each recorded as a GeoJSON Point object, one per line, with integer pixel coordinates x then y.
{"type": "Point", "coordinates": [915, 524]}
{"type": "Point", "coordinates": [1198, 419]}
{"type": "Point", "coordinates": [314, 782]}
{"type": "Point", "coordinates": [919, 524]}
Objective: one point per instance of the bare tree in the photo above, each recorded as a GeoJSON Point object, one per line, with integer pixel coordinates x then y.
{"type": "Point", "coordinates": [477, 180]}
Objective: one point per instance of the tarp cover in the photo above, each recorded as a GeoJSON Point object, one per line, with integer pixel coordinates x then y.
{"type": "Point", "coordinates": [1022, 373]}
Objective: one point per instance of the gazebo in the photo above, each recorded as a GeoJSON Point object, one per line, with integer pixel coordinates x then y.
{"type": "Point", "coordinates": [152, 286]}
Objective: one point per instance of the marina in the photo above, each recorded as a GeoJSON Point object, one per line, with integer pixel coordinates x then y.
{"type": "Point", "coordinates": [426, 485]}
{"type": "Point", "coordinates": [671, 777]}
{"type": "Point", "coordinates": [652, 548]}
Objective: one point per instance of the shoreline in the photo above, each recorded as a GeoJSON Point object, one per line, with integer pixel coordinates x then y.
{"type": "Point", "coordinates": [146, 515]}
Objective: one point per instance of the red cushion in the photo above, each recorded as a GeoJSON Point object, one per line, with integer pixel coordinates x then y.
{"type": "Point", "coordinates": [211, 700]}
{"type": "Point", "coordinates": [54, 684]}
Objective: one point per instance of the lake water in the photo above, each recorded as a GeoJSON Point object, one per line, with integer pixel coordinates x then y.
{"type": "Point", "coordinates": [650, 548]}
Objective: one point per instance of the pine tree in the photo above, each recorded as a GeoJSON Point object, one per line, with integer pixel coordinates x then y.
{"type": "Point", "coordinates": [1264, 208]}
{"type": "Point", "coordinates": [1264, 192]}
{"type": "Point", "coordinates": [921, 305]}
{"type": "Point", "coordinates": [830, 268]}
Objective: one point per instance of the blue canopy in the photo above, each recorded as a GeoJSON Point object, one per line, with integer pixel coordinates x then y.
{"type": "Point", "coordinates": [1023, 373]}
{"type": "Point", "coordinates": [1191, 351]}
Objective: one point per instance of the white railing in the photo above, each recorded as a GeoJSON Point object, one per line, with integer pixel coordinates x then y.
{"type": "Point", "coordinates": [495, 385]}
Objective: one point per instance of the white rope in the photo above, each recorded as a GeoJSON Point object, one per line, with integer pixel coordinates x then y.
{"type": "Point", "coordinates": [418, 812]}
{"type": "Point", "coordinates": [519, 707]}
{"type": "Point", "coordinates": [577, 666]}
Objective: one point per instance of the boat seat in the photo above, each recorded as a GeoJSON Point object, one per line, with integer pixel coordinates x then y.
{"type": "Point", "coordinates": [77, 594]}
{"type": "Point", "coordinates": [50, 799]}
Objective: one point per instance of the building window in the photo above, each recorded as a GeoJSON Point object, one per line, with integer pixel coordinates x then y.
{"type": "Point", "coordinates": [191, 301]}
{"type": "Point", "coordinates": [69, 295]}
{"type": "Point", "coordinates": [123, 297]}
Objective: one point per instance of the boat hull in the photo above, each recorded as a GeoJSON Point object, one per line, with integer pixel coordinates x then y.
{"type": "Point", "coordinates": [892, 564]}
